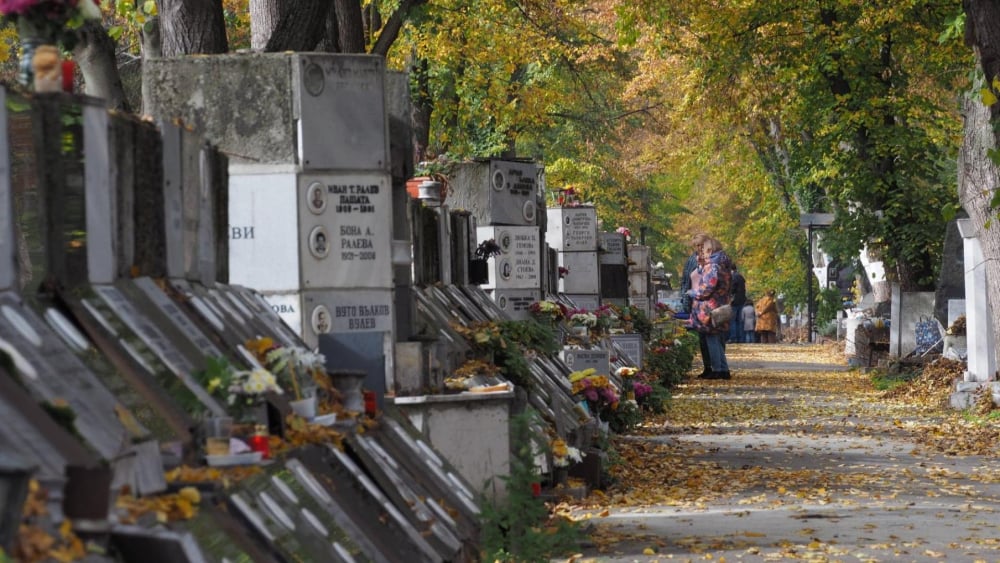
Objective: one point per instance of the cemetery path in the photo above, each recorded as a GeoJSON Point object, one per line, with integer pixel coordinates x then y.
{"type": "Point", "coordinates": [787, 461]}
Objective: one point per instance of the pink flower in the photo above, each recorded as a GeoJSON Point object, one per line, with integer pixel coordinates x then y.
{"type": "Point", "coordinates": [9, 7]}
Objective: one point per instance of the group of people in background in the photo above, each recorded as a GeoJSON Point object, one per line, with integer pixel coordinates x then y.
{"type": "Point", "coordinates": [711, 280]}
{"type": "Point", "coordinates": [753, 322]}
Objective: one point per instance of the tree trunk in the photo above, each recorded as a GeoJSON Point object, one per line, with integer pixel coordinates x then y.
{"type": "Point", "coordinates": [350, 26]}
{"type": "Point", "coordinates": [150, 50]}
{"type": "Point", "coordinates": [978, 175]}
{"type": "Point", "coordinates": [301, 28]}
{"type": "Point", "coordinates": [392, 26]}
{"type": "Point", "coordinates": [95, 55]}
{"type": "Point", "coordinates": [978, 179]}
{"type": "Point", "coordinates": [264, 17]}
{"type": "Point", "coordinates": [422, 106]}
{"type": "Point", "coordinates": [192, 27]}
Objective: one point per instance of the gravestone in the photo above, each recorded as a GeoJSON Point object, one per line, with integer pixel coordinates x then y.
{"type": "Point", "coordinates": [572, 229]}
{"type": "Point", "coordinates": [907, 308]}
{"type": "Point", "coordinates": [515, 303]}
{"type": "Point", "coordinates": [470, 431]}
{"type": "Point", "coordinates": [496, 192]}
{"type": "Point", "coordinates": [583, 273]}
{"type": "Point", "coordinates": [632, 346]}
{"type": "Point", "coordinates": [518, 266]}
{"type": "Point", "coordinates": [310, 192]}
{"type": "Point", "coordinates": [951, 279]}
{"type": "Point", "coordinates": [578, 359]}
{"type": "Point", "coordinates": [982, 363]}
{"type": "Point", "coordinates": [588, 302]}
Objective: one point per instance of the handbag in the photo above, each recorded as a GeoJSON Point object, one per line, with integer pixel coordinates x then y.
{"type": "Point", "coordinates": [721, 314]}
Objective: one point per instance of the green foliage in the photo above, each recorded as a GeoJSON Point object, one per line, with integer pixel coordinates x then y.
{"type": "Point", "coordinates": [634, 319]}
{"type": "Point", "coordinates": [885, 380]}
{"type": "Point", "coordinates": [669, 358]}
{"type": "Point", "coordinates": [517, 337]}
{"type": "Point", "coordinates": [519, 527]}
{"type": "Point", "coordinates": [828, 329]}
{"type": "Point", "coordinates": [623, 419]}
{"type": "Point", "coordinates": [63, 416]}
{"type": "Point", "coordinates": [530, 335]}
{"type": "Point", "coordinates": [988, 419]}
{"type": "Point", "coordinates": [505, 343]}
{"type": "Point", "coordinates": [829, 303]}
{"type": "Point", "coordinates": [656, 401]}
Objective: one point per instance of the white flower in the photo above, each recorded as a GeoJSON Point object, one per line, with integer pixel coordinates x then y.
{"type": "Point", "coordinates": [90, 9]}
{"type": "Point", "coordinates": [312, 360]}
{"type": "Point", "coordinates": [299, 357]}
{"type": "Point", "coordinates": [255, 382]}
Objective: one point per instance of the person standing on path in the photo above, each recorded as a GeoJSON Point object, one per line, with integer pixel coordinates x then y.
{"type": "Point", "coordinates": [690, 275]}
{"type": "Point", "coordinates": [714, 290]}
{"type": "Point", "coordinates": [749, 316]}
{"type": "Point", "coordinates": [767, 318]}
{"type": "Point", "coordinates": [739, 299]}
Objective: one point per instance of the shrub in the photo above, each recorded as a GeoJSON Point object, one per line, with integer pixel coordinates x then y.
{"type": "Point", "coordinates": [519, 528]}
{"type": "Point", "coordinates": [670, 357]}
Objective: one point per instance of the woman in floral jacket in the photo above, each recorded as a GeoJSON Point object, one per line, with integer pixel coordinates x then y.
{"type": "Point", "coordinates": [712, 291]}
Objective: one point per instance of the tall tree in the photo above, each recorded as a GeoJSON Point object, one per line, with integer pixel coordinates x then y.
{"type": "Point", "coordinates": [846, 104]}
{"type": "Point", "coordinates": [192, 26]}
{"type": "Point", "coordinates": [979, 165]}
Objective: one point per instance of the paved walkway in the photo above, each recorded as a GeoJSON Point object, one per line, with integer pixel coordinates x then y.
{"type": "Point", "coordinates": [794, 458]}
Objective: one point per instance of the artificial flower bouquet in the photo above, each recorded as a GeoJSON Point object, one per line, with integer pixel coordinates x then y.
{"type": "Point", "coordinates": [238, 388]}
{"type": "Point", "coordinates": [626, 372]}
{"type": "Point", "coordinates": [548, 311]}
{"type": "Point", "coordinates": [599, 392]}
{"type": "Point", "coordinates": [567, 197]}
{"type": "Point", "coordinates": [625, 231]}
{"type": "Point", "coordinates": [50, 20]}
{"type": "Point", "coordinates": [581, 317]}
{"type": "Point", "coordinates": [250, 386]}
{"type": "Point", "coordinates": [562, 453]}
{"type": "Point", "coordinates": [488, 248]}
{"type": "Point", "coordinates": [297, 368]}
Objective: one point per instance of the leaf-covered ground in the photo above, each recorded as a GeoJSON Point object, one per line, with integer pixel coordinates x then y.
{"type": "Point", "coordinates": [799, 457]}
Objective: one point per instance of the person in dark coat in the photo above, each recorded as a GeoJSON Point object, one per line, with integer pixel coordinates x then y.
{"type": "Point", "coordinates": [713, 290]}
{"type": "Point", "coordinates": [739, 300]}
{"type": "Point", "coordinates": [691, 269]}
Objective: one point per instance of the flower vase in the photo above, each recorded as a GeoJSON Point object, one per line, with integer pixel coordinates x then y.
{"type": "Point", "coordinates": [348, 383]}
{"type": "Point", "coordinates": [306, 408]}
{"type": "Point", "coordinates": [32, 37]}
{"type": "Point", "coordinates": [250, 414]}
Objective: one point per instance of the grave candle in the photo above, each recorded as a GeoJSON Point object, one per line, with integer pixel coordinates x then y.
{"type": "Point", "coordinates": [259, 441]}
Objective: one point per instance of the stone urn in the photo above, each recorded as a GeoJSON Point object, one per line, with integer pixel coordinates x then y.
{"type": "Point", "coordinates": [349, 383]}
